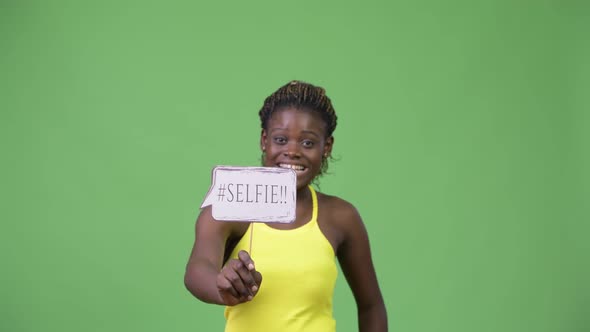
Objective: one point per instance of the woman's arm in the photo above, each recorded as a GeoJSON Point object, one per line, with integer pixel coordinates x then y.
{"type": "Point", "coordinates": [354, 255]}
{"type": "Point", "coordinates": [205, 278]}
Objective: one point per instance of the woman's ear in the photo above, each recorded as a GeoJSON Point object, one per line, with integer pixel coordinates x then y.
{"type": "Point", "coordinates": [263, 138]}
{"type": "Point", "coordinates": [328, 146]}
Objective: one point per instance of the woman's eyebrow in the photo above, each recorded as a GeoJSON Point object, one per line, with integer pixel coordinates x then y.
{"type": "Point", "coordinates": [311, 132]}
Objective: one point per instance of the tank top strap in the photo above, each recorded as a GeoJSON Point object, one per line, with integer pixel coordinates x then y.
{"type": "Point", "coordinates": [314, 199]}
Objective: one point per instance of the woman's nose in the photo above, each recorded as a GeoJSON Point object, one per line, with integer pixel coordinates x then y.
{"type": "Point", "coordinates": [292, 154]}
{"type": "Point", "coordinates": [292, 151]}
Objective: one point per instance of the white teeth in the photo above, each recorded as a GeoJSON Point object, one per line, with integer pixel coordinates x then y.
{"type": "Point", "coordinates": [294, 167]}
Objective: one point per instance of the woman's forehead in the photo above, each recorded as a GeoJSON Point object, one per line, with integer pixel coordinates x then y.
{"type": "Point", "coordinates": [296, 118]}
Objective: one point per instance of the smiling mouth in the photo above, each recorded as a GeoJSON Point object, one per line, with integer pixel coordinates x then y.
{"type": "Point", "coordinates": [297, 168]}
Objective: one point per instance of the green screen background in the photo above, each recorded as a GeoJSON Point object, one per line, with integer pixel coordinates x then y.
{"type": "Point", "coordinates": [462, 140]}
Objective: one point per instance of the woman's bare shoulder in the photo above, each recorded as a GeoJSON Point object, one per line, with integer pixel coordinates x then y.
{"type": "Point", "coordinates": [229, 229]}
{"type": "Point", "coordinates": [338, 210]}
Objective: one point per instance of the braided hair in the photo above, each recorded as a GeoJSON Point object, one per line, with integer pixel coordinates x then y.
{"type": "Point", "coordinates": [301, 95]}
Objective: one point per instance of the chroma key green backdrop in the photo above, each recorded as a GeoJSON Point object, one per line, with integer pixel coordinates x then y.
{"type": "Point", "coordinates": [462, 139]}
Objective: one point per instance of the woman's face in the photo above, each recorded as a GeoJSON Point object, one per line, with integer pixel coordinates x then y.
{"type": "Point", "coordinates": [296, 139]}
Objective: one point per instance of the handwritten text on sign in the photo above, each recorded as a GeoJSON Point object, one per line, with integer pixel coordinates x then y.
{"type": "Point", "coordinates": [255, 194]}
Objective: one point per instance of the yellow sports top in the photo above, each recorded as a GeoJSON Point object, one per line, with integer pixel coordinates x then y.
{"type": "Point", "coordinates": [298, 275]}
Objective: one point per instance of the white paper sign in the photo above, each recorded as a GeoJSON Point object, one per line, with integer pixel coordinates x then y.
{"type": "Point", "coordinates": [253, 194]}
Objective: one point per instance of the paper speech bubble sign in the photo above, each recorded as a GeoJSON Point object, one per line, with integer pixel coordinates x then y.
{"type": "Point", "coordinates": [253, 194]}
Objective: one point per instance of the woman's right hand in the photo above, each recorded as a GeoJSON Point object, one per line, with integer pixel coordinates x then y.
{"type": "Point", "coordinates": [238, 281]}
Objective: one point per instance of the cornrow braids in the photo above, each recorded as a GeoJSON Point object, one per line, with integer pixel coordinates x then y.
{"type": "Point", "coordinates": [301, 95]}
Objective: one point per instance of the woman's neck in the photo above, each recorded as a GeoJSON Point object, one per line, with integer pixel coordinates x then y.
{"type": "Point", "coordinates": [303, 194]}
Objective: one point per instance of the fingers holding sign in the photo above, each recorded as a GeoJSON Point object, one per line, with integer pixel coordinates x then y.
{"type": "Point", "coordinates": [238, 281]}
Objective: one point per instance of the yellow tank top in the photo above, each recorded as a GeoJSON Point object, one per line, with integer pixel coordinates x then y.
{"type": "Point", "coordinates": [298, 275]}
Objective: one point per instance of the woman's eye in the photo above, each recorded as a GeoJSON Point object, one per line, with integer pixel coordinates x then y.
{"type": "Point", "coordinates": [307, 144]}
{"type": "Point", "coordinates": [280, 140]}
